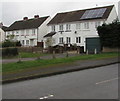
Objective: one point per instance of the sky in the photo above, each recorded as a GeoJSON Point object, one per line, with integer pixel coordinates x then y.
{"type": "Point", "coordinates": [14, 10]}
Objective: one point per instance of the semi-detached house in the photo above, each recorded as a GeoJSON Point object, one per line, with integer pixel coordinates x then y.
{"type": "Point", "coordinates": [29, 32]}
{"type": "Point", "coordinates": [79, 27]}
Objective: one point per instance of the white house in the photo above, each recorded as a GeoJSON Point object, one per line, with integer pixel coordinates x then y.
{"type": "Point", "coordinates": [76, 26]}
{"type": "Point", "coordinates": [2, 32]}
{"type": "Point", "coordinates": [119, 10]}
{"type": "Point", "coordinates": [29, 32]}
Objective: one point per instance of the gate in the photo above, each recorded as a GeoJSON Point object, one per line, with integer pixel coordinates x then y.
{"type": "Point", "coordinates": [93, 45]}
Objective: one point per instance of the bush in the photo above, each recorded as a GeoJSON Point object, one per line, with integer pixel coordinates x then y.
{"type": "Point", "coordinates": [9, 52]}
{"type": "Point", "coordinates": [110, 34]}
{"type": "Point", "coordinates": [9, 43]}
{"type": "Point", "coordinates": [18, 43]}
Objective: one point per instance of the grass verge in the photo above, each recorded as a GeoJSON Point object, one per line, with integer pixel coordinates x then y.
{"type": "Point", "coordinates": [26, 55]}
{"type": "Point", "coordinates": [16, 67]}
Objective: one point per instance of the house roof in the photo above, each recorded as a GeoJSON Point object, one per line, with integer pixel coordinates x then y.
{"type": "Point", "coordinates": [4, 28]}
{"type": "Point", "coordinates": [50, 34]}
{"type": "Point", "coordinates": [76, 15]}
{"type": "Point", "coordinates": [27, 24]}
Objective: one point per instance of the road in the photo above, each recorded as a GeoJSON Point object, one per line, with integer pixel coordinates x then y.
{"type": "Point", "coordinates": [98, 83]}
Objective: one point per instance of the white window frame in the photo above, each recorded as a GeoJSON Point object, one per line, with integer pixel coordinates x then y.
{"type": "Point", "coordinates": [68, 27]}
{"type": "Point", "coordinates": [86, 25]}
{"type": "Point", "coordinates": [78, 25]}
{"type": "Point", "coordinates": [78, 39]}
{"type": "Point", "coordinates": [22, 32]}
{"type": "Point", "coordinates": [61, 40]}
{"type": "Point", "coordinates": [27, 42]}
{"type": "Point", "coordinates": [68, 40]}
{"type": "Point", "coordinates": [97, 23]}
{"type": "Point", "coordinates": [61, 27]}
{"type": "Point", "coordinates": [53, 28]}
{"type": "Point", "coordinates": [27, 32]}
{"type": "Point", "coordinates": [33, 32]}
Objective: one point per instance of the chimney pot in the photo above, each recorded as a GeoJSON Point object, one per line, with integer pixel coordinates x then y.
{"type": "Point", "coordinates": [36, 16]}
{"type": "Point", "coordinates": [25, 18]}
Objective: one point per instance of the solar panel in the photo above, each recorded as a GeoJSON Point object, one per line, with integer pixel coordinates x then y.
{"type": "Point", "coordinates": [96, 13]}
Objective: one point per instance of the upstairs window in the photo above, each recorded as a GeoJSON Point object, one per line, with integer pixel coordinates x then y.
{"type": "Point", "coordinates": [61, 27]}
{"type": "Point", "coordinates": [22, 32]}
{"type": "Point", "coordinates": [68, 27]}
{"type": "Point", "coordinates": [86, 25]}
{"type": "Point", "coordinates": [27, 32]}
{"type": "Point", "coordinates": [53, 28]}
{"type": "Point", "coordinates": [97, 24]}
{"type": "Point", "coordinates": [78, 26]}
{"type": "Point", "coordinates": [33, 31]}
{"type": "Point", "coordinates": [13, 32]}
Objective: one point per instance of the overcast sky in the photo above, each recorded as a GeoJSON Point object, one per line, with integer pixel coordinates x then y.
{"type": "Point", "coordinates": [13, 10]}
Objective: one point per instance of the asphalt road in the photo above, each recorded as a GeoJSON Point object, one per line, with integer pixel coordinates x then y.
{"type": "Point", "coordinates": [98, 83]}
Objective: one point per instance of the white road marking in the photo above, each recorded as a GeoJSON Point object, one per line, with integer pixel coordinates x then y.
{"type": "Point", "coordinates": [106, 81]}
{"type": "Point", "coordinates": [45, 97]}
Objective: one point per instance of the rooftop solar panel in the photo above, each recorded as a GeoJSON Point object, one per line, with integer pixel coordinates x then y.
{"type": "Point", "coordinates": [93, 13]}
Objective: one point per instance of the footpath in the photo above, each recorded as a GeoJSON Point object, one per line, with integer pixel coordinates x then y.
{"type": "Point", "coordinates": [57, 69]}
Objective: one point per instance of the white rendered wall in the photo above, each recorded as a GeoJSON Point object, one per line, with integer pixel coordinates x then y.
{"type": "Point", "coordinates": [43, 29]}
{"type": "Point", "coordinates": [27, 36]}
{"type": "Point", "coordinates": [83, 33]}
{"type": "Point", "coordinates": [119, 10]}
{"type": "Point", "coordinates": [2, 35]}
{"type": "Point", "coordinates": [112, 16]}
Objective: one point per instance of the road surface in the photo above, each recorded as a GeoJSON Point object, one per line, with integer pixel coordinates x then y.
{"type": "Point", "coordinates": [98, 83]}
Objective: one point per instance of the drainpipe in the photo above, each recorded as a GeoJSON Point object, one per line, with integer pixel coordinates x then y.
{"type": "Point", "coordinates": [37, 34]}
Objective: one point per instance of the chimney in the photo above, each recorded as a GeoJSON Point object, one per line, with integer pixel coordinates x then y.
{"type": "Point", "coordinates": [25, 18]}
{"type": "Point", "coordinates": [36, 16]}
{"type": "Point", "coordinates": [1, 24]}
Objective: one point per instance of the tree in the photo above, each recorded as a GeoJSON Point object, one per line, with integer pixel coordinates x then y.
{"type": "Point", "coordinates": [110, 34]}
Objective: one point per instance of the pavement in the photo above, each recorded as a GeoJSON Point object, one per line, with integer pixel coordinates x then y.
{"type": "Point", "coordinates": [95, 84]}
{"type": "Point", "coordinates": [57, 69]}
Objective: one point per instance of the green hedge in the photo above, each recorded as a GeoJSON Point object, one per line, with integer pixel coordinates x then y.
{"type": "Point", "coordinates": [9, 52]}
{"type": "Point", "coordinates": [110, 34]}
{"type": "Point", "coordinates": [9, 43]}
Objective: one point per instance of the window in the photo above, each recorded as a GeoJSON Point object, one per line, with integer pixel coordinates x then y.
{"type": "Point", "coordinates": [17, 32]}
{"type": "Point", "coordinates": [86, 25]}
{"type": "Point", "coordinates": [78, 26]}
{"type": "Point", "coordinates": [97, 24]}
{"type": "Point", "coordinates": [61, 40]}
{"type": "Point", "coordinates": [13, 32]}
{"type": "Point", "coordinates": [22, 32]}
{"type": "Point", "coordinates": [68, 39]}
{"type": "Point", "coordinates": [78, 39]}
{"type": "Point", "coordinates": [8, 32]}
{"type": "Point", "coordinates": [53, 28]}
{"type": "Point", "coordinates": [27, 32]}
{"type": "Point", "coordinates": [27, 42]}
{"type": "Point", "coordinates": [61, 27]}
{"type": "Point", "coordinates": [68, 27]}
{"type": "Point", "coordinates": [23, 42]}
{"type": "Point", "coordinates": [33, 31]}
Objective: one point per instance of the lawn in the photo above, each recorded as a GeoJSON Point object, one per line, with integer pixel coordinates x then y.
{"type": "Point", "coordinates": [16, 67]}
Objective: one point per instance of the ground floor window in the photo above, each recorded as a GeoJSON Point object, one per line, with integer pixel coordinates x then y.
{"type": "Point", "coordinates": [23, 42]}
{"type": "Point", "coordinates": [27, 42]}
{"type": "Point", "coordinates": [78, 39]}
{"type": "Point", "coordinates": [68, 40]}
{"type": "Point", "coordinates": [61, 40]}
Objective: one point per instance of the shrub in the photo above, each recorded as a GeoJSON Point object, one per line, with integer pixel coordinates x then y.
{"type": "Point", "coordinates": [109, 34]}
{"type": "Point", "coordinates": [9, 43]}
{"type": "Point", "coordinates": [9, 52]}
